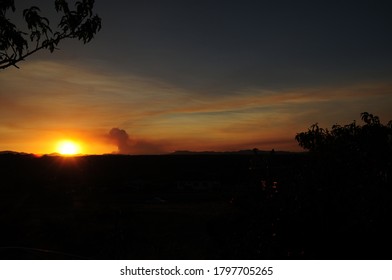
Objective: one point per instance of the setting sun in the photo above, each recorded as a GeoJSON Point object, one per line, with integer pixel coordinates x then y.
{"type": "Point", "coordinates": [68, 147]}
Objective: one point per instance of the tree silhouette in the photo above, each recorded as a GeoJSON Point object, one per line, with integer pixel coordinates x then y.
{"type": "Point", "coordinates": [368, 146]}
{"type": "Point", "coordinates": [346, 185]}
{"type": "Point", "coordinates": [15, 45]}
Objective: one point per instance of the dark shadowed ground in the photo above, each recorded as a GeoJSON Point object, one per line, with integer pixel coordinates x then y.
{"type": "Point", "coordinates": [269, 206]}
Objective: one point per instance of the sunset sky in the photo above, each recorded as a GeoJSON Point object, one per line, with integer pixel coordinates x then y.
{"type": "Point", "coordinates": [202, 75]}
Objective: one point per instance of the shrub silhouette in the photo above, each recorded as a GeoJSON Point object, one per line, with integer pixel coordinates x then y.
{"type": "Point", "coordinates": [370, 143]}
{"type": "Point", "coordinates": [347, 184]}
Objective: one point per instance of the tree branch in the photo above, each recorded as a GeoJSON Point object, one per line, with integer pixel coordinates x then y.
{"type": "Point", "coordinates": [12, 62]}
{"type": "Point", "coordinates": [79, 23]}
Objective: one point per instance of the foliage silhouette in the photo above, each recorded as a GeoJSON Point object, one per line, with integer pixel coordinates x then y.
{"type": "Point", "coordinates": [15, 45]}
{"type": "Point", "coordinates": [346, 185]}
{"type": "Point", "coordinates": [369, 142]}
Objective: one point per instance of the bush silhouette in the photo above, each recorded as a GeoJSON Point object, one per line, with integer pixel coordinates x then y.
{"type": "Point", "coordinates": [370, 143]}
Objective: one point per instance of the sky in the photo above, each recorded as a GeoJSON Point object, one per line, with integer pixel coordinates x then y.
{"type": "Point", "coordinates": [163, 76]}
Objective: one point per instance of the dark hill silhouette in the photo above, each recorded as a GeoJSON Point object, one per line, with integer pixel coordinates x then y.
{"type": "Point", "coordinates": [204, 206]}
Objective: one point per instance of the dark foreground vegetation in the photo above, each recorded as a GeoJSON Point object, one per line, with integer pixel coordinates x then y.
{"type": "Point", "coordinates": [192, 207]}
{"type": "Point", "coordinates": [333, 202]}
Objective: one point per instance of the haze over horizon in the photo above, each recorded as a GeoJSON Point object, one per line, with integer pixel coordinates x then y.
{"type": "Point", "coordinates": [201, 75]}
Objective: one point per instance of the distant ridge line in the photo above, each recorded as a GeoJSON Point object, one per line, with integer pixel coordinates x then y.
{"type": "Point", "coordinates": [240, 152]}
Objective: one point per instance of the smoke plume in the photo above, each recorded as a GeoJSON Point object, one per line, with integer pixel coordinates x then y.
{"type": "Point", "coordinates": [126, 145]}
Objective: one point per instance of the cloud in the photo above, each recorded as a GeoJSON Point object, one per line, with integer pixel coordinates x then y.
{"type": "Point", "coordinates": [126, 145]}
